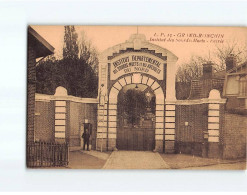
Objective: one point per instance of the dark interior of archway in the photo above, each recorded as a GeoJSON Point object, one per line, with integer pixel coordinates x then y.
{"type": "Point", "coordinates": [136, 103]}
{"type": "Point", "coordinates": [136, 118]}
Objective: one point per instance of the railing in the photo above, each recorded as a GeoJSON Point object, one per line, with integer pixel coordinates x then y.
{"type": "Point", "coordinates": [43, 154]}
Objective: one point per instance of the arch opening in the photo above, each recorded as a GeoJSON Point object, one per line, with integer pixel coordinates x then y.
{"type": "Point", "coordinates": [136, 118]}
{"type": "Point", "coordinates": [158, 122]}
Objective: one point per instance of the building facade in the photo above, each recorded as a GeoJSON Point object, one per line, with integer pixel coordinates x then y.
{"type": "Point", "coordinates": [137, 109]}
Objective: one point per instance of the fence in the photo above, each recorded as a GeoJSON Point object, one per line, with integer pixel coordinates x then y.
{"type": "Point", "coordinates": [42, 154]}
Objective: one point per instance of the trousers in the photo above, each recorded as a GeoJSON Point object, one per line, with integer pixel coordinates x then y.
{"type": "Point", "coordinates": [86, 142]}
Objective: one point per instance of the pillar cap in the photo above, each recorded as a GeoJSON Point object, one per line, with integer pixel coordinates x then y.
{"type": "Point", "coordinates": [61, 91]}
{"type": "Point", "coordinates": [214, 94]}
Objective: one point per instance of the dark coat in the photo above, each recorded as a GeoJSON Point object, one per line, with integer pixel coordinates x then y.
{"type": "Point", "coordinates": [86, 136]}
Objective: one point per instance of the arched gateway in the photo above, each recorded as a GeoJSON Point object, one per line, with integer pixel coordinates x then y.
{"type": "Point", "coordinates": [136, 62]}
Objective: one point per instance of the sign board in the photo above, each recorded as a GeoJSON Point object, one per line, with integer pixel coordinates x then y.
{"type": "Point", "coordinates": [137, 62]}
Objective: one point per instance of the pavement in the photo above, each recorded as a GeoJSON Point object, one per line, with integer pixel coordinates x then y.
{"type": "Point", "coordinates": [223, 166]}
{"type": "Point", "coordinates": [135, 160]}
{"type": "Point", "coordinates": [186, 161]}
{"type": "Point", "coordinates": [97, 154]}
{"type": "Point", "coordinates": [81, 159]}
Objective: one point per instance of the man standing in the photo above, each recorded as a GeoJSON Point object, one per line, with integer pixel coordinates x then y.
{"type": "Point", "coordinates": [86, 136]}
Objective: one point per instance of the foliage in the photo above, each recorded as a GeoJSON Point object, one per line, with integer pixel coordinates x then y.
{"type": "Point", "coordinates": [193, 69]}
{"type": "Point", "coordinates": [87, 52]}
{"type": "Point", "coordinates": [72, 72]}
{"type": "Point", "coordinates": [70, 49]}
{"type": "Point", "coordinates": [230, 48]}
{"type": "Point", "coordinates": [133, 104]}
{"type": "Point", "coordinates": [190, 70]}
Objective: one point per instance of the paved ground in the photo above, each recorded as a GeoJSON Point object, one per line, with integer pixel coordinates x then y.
{"type": "Point", "coordinates": [97, 154]}
{"type": "Point", "coordinates": [223, 166]}
{"type": "Point", "coordinates": [183, 161]}
{"type": "Point", "coordinates": [148, 160]}
{"type": "Point", "coordinates": [135, 160]}
{"type": "Point", "coordinates": [80, 160]}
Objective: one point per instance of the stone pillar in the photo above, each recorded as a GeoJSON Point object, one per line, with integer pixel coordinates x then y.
{"type": "Point", "coordinates": [170, 110]}
{"type": "Point", "coordinates": [170, 118]}
{"type": "Point", "coordinates": [214, 102]}
{"type": "Point", "coordinates": [112, 127]}
{"type": "Point", "coordinates": [159, 120]}
{"type": "Point", "coordinates": [101, 140]}
{"type": "Point", "coordinates": [171, 81]}
{"type": "Point", "coordinates": [60, 115]}
{"type": "Point", "coordinates": [213, 129]}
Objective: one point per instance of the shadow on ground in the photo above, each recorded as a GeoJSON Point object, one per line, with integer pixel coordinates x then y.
{"type": "Point", "coordinates": [80, 160]}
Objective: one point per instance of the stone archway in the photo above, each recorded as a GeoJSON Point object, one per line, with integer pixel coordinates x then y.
{"type": "Point", "coordinates": [111, 82]}
{"type": "Point", "coordinates": [136, 78]}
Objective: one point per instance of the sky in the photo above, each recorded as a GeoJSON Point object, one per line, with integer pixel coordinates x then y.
{"type": "Point", "coordinates": [103, 37]}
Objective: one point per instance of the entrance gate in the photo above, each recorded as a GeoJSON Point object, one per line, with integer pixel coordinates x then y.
{"type": "Point", "coordinates": [140, 139]}
{"type": "Point", "coordinates": [136, 62]}
{"type": "Point", "coordinates": [136, 118]}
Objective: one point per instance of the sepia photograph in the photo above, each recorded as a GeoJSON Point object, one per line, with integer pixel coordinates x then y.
{"type": "Point", "coordinates": [136, 97]}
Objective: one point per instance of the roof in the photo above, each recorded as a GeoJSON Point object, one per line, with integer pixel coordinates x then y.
{"type": "Point", "coordinates": [219, 75]}
{"type": "Point", "coordinates": [242, 68]}
{"type": "Point", "coordinates": [40, 45]}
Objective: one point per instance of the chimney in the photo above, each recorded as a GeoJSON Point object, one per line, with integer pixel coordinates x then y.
{"type": "Point", "coordinates": [207, 70]}
{"type": "Point", "coordinates": [230, 62]}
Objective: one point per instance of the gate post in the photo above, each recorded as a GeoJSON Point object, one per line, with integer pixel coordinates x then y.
{"type": "Point", "coordinates": [214, 113]}
{"type": "Point", "coordinates": [170, 118]}
{"type": "Point", "coordinates": [61, 111]}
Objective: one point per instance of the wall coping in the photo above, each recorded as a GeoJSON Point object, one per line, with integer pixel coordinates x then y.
{"type": "Point", "coordinates": [198, 101]}
{"type": "Point", "coordinates": [47, 98]}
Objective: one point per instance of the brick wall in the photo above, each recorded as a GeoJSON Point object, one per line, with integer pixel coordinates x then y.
{"type": "Point", "coordinates": [31, 88]}
{"type": "Point", "coordinates": [234, 136]}
{"type": "Point", "coordinates": [76, 113]}
{"type": "Point", "coordinates": [234, 102]}
{"type": "Point", "coordinates": [44, 121]}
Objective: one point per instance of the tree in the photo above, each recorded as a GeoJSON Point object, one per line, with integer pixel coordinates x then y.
{"type": "Point", "coordinates": [190, 70]}
{"type": "Point", "coordinates": [80, 79]}
{"type": "Point", "coordinates": [70, 49]}
{"type": "Point", "coordinates": [87, 52]}
{"type": "Point", "coordinates": [72, 72]}
{"type": "Point", "coordinates": [230, 48]}
{"type": "Point", "coordinates": [193, 69]}
{"type": "Point", "coordinates": [47, 75]}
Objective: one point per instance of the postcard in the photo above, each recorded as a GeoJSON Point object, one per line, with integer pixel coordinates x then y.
{"type": "Point", "coordinates": [136, 97]}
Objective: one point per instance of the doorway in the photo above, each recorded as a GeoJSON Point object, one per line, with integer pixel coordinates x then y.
{"type": "Point", "coordinates": [136, 118]}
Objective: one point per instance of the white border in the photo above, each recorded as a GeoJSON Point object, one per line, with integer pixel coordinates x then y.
{"type": "Point", "coordinates": [14, 18]}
